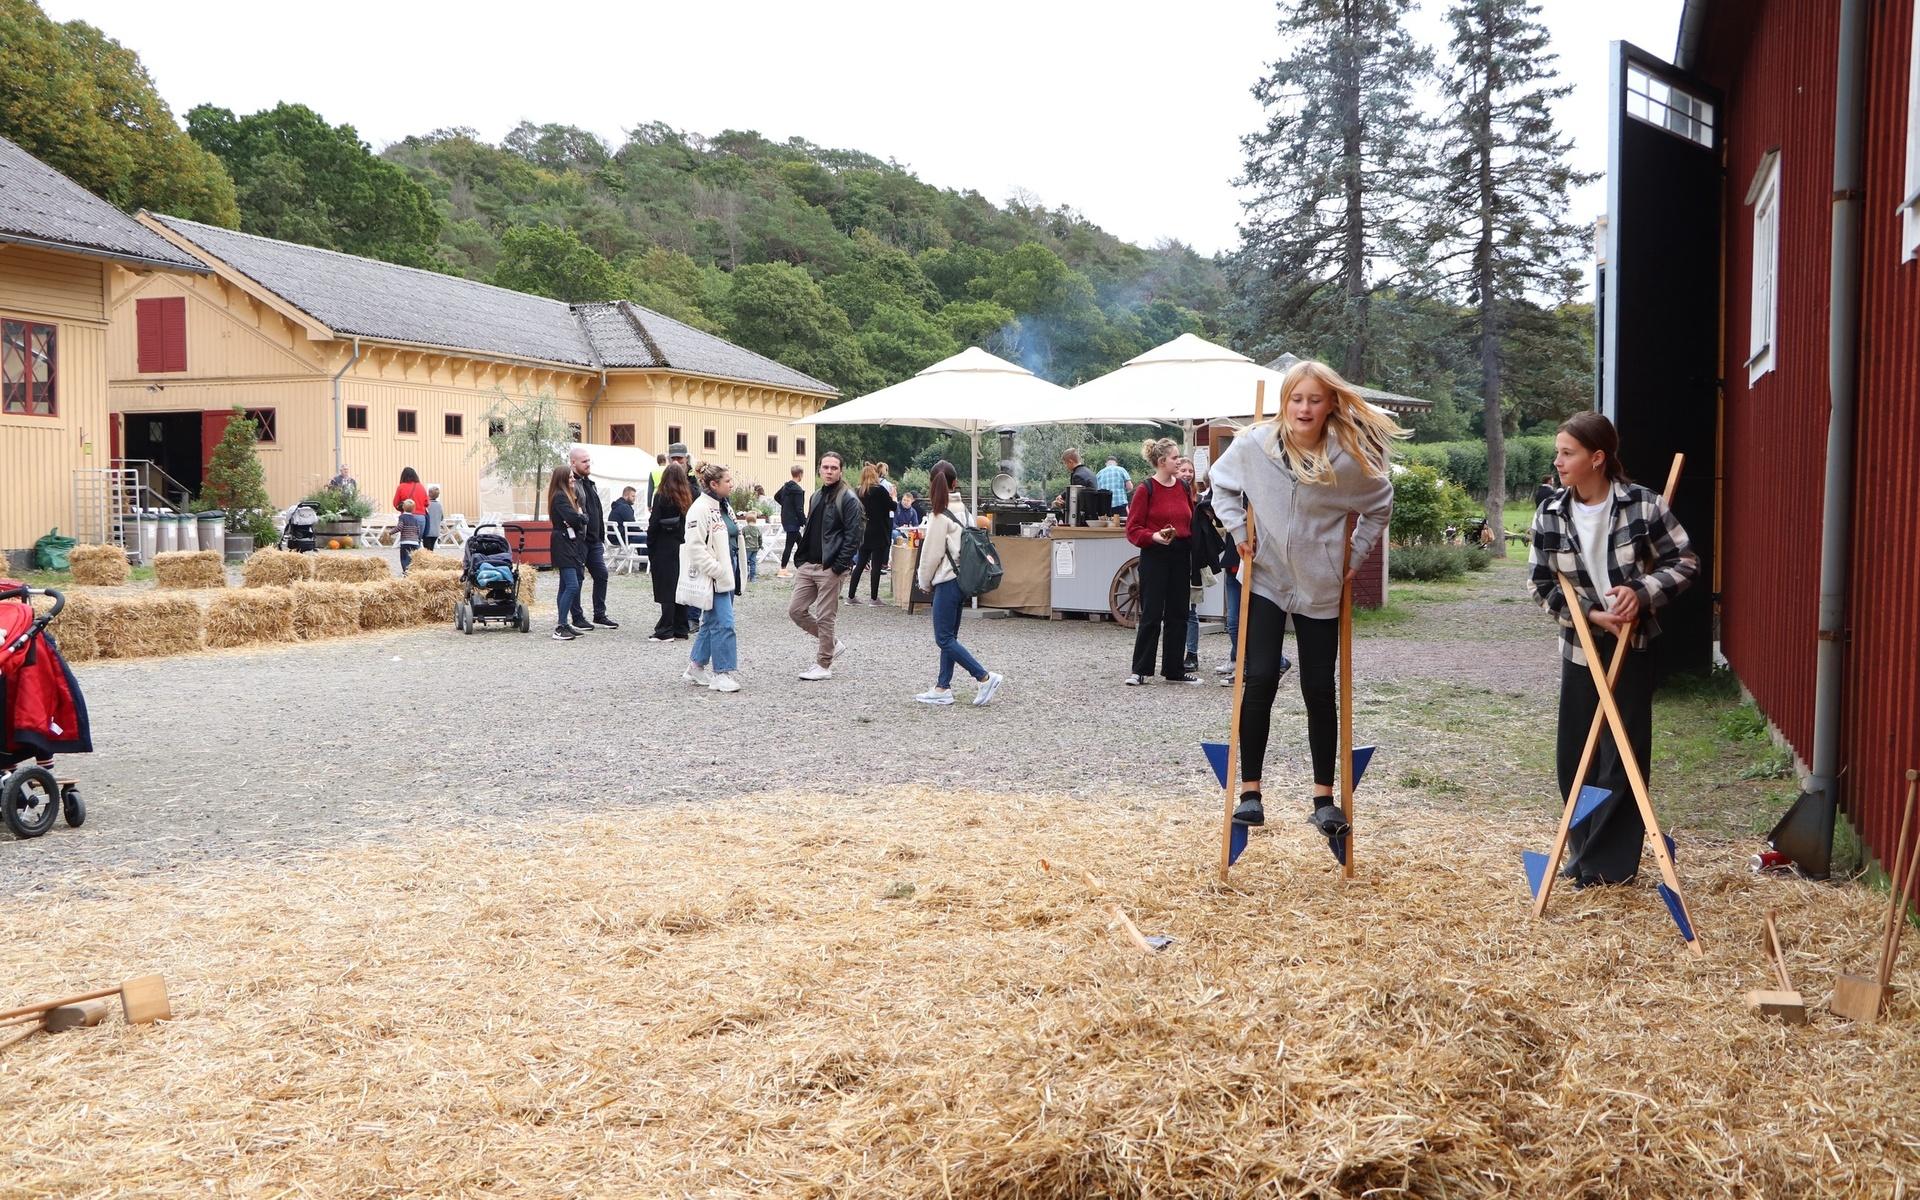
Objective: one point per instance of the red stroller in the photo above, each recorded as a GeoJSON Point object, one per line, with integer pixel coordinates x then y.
{"type": "Point", "coordinates": [41, 714]}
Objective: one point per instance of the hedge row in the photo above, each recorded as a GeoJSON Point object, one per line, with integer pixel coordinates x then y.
{"type": "Point", "coordinates": [1465, 463]}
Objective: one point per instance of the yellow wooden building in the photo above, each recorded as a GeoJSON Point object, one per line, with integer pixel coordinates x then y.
{"type": "Point", "coordinates": [64, 255]}
{"type": "Point", "coordinates": [348, 360]}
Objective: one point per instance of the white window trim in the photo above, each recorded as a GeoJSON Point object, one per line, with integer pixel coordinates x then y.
{"type": "Point", "coordinates": [1910, 206]}
{"type": "Point", "coordinates": [1763, 289]}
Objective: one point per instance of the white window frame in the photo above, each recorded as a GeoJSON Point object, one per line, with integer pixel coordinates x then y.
{"type": "Point", "coordinates": [1910, 193]}
{"type": "Point", "coordinates": [1763, 325]}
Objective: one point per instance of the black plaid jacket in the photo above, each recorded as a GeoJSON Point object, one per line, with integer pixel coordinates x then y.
{"type": "Point", "coordinates": [1648, 551]}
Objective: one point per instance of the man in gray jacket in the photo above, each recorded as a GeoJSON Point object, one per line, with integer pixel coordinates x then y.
{"type": "Point", "coordinates": [836, 523]}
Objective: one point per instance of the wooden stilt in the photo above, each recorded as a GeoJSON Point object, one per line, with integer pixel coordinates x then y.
{"type": "Point", "coordinates": [1346, 700]}
{"type": "Point", "coordinates": [1240, 662]}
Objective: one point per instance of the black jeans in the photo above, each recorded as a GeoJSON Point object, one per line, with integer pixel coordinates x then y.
{"type": "Point", "coordinates": [1164, 572]}
{"type": "Point", "coordinates": [673, 622]}
{"type": "Point", "coordinates": [870, 559]}
{"type": "Point", "coordinates": [1607, 844]}
{"type": "Point", "coordinates": [793, 543]}
{"type": "Point", "coordinates": [596, 566]}
{"type": "Point", "coordinates": [1318, 648]}
{"type": "Point", "coordinates": [428, 540]}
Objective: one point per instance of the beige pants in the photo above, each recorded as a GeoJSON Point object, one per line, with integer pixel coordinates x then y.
{"type": "Point", "coordinates": [815, 606]}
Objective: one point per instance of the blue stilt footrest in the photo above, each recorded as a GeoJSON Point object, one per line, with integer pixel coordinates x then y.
{"type": "Point", "coordinates": [1339, 847]}
{"type": "Point", "coordinates": [1536, 865]}
{"type": "Point", "coordinates": [1591, 797]}
{"type": "Point", "coordinates": [1217, 759]}
{"type": "Point", "coordinates": [1236, 843]}
{"type": "Point", "coordinates": [1362, 755]}
{"type": "Point", "coordinates": [1676, 911]}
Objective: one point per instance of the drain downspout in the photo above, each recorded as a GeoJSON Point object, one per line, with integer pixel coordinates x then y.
{"type": "Point", "coordinates": [587, 433]}
{"type": "Point", "coordinates": [345, 367]}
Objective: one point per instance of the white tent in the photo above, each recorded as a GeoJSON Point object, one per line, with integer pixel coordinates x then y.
{"type": "Point", "coordinates": [1188, 379]}
{"type": "Point", "coordinates": [614, 469]}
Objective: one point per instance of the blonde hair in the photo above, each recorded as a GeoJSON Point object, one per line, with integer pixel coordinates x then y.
{"type": "Point", "coordinates": [869, 476]}
{"type": "Point", "coordinates": [1366, 433]}
{"type": "Point", "coordinates": [1156, 450]}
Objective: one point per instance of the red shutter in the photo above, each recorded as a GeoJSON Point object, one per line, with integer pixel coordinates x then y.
{"type": "Point", "coordinates": [162, 325]}
{"type": "Point", "coordinates": [147, 319]}
{"type": "Point", "coordinates": [213, 427]}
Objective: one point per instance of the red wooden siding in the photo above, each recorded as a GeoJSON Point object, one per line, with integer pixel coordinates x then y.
{"type": "Point", "coordinates": [162, 333]}
{"type": "Point", "coordinates": [1882, 723]}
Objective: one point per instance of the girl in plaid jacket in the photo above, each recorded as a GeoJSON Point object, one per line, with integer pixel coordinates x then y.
{"type": "Point", "coordinates": [1626, 556]}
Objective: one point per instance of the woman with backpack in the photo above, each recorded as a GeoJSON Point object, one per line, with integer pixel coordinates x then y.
{"type": "Point", "coordinates": [713, 553]}
{"type": "Point", "coordinates": [939, 574]}
{"type": "Point", "coordinates": [1160, 523]}
{"type": "Point", "coordinates": [1301, 473]}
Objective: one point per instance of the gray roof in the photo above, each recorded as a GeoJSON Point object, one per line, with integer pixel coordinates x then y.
{"type": "Point", "coordinates": [353, 295]}
{"type": "Point", "coordinates": [1388, 400]}
{"type": "Point", "coordinates": [41, 207]}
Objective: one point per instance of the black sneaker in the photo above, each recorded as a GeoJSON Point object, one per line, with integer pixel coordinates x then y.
{"type": "Point", "coordinates": [606, 622]}
{"type": "Point", "coordinates": [1190, 680]}
{"type": "Point", "coordinates": [564, 633]}
{"type": "Point", "coordinates": [1192, 663]}
{"type": "Point", "coordinates": [1328, 819]}
{"type": "Point", "coordinates": [582, 627]}
{"type": "Point", "coordinates": [1249, 812]}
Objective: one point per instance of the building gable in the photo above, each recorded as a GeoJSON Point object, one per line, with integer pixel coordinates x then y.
{"type": "Point", "coordinates": [228, 334]}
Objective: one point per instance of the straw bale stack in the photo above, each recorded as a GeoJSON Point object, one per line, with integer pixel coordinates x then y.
{"type": "Point", "coordinates": [389, 604]}
{"type": "Point", "coordinates": [529, 579]}
{"type": "Point", "coordinates": [189, 569]}
{"type": "Point", "coordinates": [439, 590]}
{"type": "Point", "coordinates": [325, 610]}
{"type": "Point", "coordinates": [77, 628]}
{"type": "Point", "coordinates": [148, 624]}
{"type": "Point", "coordinates": [250, 616]}
{"type": "Point", "coordinates": [273, 567]}
{"type": "Point", "coordinates": [100, 566]}
{"type": "Point", "coordinates": [350, 568]}
{"type": "Point", "coordinates": [433, 560]}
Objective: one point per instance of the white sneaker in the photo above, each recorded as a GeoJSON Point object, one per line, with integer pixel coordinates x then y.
{"type": "Point", "coordinates": [839, 648]}
{"type": "Point", "coordinates": [987, 689]}
{"type": "Point", "coordinates": [1135, 681]}
{"type": "Point", "coordinates": [816, 671]}
{"type": "Point", "coordinates": [697, 675]}
{"type": "Point", "coordinates": [724, 683]}
{"type": "Point", "coordinates": [935, 696]}
{"type": "Point", "coordinates": [1225, 668]}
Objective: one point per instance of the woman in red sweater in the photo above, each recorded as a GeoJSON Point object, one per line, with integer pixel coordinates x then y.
{"type": "Point", "coordinates": [410, 489]}
{"type": "Point", "coordinates": [1160, 523]}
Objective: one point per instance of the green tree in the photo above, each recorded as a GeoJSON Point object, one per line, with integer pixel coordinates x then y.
{"type": "Point", "coordinates": [236, 483]}
{"type": "Point", "coordinates": [303, 180]}
{"type": "Point", "coordinates": [549, 260]}
{"type": "Point", "coordinates": [83, 104]}
{"type": "Point", "coordinates": [532, 441]}
{"type": "Point", "coordinates": [779, 311]}
{"type": "Point", "coordinates": [975, 322]}
{"type": "Point", "coordinates": [669, 282]}
{"type": "Point", "coordinates": [900, 341]}
{"type": "Point", "coordinates": [1497, 231]}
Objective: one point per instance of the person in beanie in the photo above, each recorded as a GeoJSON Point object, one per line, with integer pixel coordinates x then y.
{"type": "Point", "coordinates": [1627, 557]}
{"type": "Point", "coordinates": [836, 523]}
{"type": "Point", "coordinates": [1322, 457]}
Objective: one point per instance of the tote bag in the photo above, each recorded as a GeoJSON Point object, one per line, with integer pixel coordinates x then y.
{"type": "Point", "coordinates": [693, 588]}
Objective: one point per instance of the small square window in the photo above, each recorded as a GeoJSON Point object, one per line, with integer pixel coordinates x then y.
{"type": "Point", "coordinates": [673, 434]}
{"type": "Point", "coordinates": [263, 425]}
{"type": "Point", "coordinates": [739, 443]}
{"type": "Point", "coordinates": [495, 427]}
{"type": "Point", "coordinates": [456, 425]}
{"type": "Point", "coordinates": [409, 421]}
{"type": "Point", "coordinates": [620, 435]}
{"type": "Point", "coordinates": [709, 439]}
{"type": "Point", "coordinates": [773, 444]}
{"type": "Point", "coordinates": [357, 417]}
{"type": "Point", "coordinates": [799, 447]}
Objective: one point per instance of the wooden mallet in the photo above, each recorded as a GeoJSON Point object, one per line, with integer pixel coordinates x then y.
{"type": "Point", "coordinates": [143, 1001]}
{"type": "Point", "coordinates": [1858, 997]}
{"type": "Point", "coordinates": [1787, 1004]}
{"type": "Point", "coordinates": [1240, 664]}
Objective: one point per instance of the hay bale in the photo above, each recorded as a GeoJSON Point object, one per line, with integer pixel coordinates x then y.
{"type": "Point", "coordinates": [272, 567]}
{"type": "Point", "coordinates": [100, 566]}
{"type": "Point", "coordinates": [146, 625]}
{"type": "Point", "coordinates": [324, 610]}
{"type": "Point", "coordinates": [350, 568]}
{"type": "Point", "coordinates": [528, 578]}
{"type": "Point", "coordinates": [439, 590]}
{"type": "Point", "coordinates": [76, 629]}
{"type": "Point", "coordinates": [250, 617]}
{"type": "Point", "coordinates": [389, 604]}
{"type": "Point", "coordinates": [433, 560]}
{"type": "Point", "coordinates": [189, 569]}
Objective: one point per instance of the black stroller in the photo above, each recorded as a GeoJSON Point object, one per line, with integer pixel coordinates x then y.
{"type": "Point", "coordinates": [298, 535]}
{"type": "Point", "coordinates": [492, 583]}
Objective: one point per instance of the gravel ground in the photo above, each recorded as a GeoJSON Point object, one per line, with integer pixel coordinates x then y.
{"type": "Point", "coordinates": [260, 753]}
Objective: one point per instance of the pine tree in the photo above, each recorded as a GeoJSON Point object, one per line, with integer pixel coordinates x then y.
{"type": "Point", "coordinates": [1497, 232]}
{"type": "Point", "coordinates": [236, 482]}
{"type": "Point", "coordinates": [1331, 174]}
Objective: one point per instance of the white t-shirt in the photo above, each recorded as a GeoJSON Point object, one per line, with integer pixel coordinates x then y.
{"type": "Point", "coordinates": [1591, 525]}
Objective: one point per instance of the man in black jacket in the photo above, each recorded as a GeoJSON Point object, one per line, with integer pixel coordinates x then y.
{"type": "Point", "coordinates": [596, 537]}
{"type": "Point", "coordinates": [792, 499]}
{"type": "Point", "coordinates": [835, 525]}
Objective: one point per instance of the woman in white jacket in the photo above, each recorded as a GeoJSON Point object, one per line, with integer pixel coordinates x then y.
{"type": "Point", "coordinates": [713, 550]}
{"type": "Point", "coordinates": [939, 556]}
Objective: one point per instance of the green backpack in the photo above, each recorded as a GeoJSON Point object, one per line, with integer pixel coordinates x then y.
{"type": "Point", "coordinates": [978, 571]}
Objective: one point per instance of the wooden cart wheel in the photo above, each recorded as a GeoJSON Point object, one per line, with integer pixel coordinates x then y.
{"type": "Point", "coordinates": [1123, 595]}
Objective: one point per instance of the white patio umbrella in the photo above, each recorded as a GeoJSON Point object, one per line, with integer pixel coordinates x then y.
{"type": "Point", "coordinates": [1186, 380]}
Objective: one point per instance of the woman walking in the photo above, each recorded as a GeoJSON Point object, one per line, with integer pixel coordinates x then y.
{"type": "Point", "coordinates": [1160, 523]}
{"type": "Point", "coordinates": [877, 503]}
{"type": "Point", "coordinates": [410, 488]}
{"type": "Point", "coordinates": [569, 546]}
{"type": "Point", "coordinates": [713, 551]}
{"type": "Point", "coordinates": [939, 559]}
{"type": "Point", "coordinates": [666, 529]}
{"type": "Point", "coordinates": [1324, 456]}
{"type": "Point", "coordinates": [1627, 557]}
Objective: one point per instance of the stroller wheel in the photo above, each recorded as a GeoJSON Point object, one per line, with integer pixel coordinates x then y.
{"type": "Point", "coordinates": [522, 618]}
{"type": "Point", "coordinates": [74, 806]}
{"type": "Point", "coordinates": [29, 801]}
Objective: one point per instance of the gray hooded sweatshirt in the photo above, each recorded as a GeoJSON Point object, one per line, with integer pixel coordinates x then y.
{"type": "Point", "coordinates": [1298, 526]}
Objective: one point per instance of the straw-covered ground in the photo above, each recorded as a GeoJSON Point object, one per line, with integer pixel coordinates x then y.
{"type": "Point", "coordinates": [888, 996]}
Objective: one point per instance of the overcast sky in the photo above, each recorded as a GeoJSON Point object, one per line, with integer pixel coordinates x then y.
{"type": "Point", "coordinates": [1130, 112]}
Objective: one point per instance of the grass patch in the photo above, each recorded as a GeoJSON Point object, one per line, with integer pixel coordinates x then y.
{"type": "Point", "coordinates": [64, 579]}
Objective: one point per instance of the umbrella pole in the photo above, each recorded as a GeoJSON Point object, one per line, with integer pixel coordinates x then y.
{"type": "Point", "coordinates": [973, 496]}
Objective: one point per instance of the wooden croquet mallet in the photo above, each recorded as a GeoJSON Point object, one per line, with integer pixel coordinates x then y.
{"type": "Point", "coordinates": [1858, 997]}
{"type": "Point", "coordinates": [1787, 1004]}
{"type": "Point", "coordinates": [142, 1000]}
{"type": "Point", "coordinates": [1240, 658]}
{"type": "Point", "coordinates": [1620, 646]}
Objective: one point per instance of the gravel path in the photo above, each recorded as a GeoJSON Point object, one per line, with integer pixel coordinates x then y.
{"type": "Point", "coordinates": [260, 753]}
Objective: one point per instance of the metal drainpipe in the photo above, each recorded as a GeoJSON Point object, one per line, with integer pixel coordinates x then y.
{"type": "Point", "coordinates": [1843, 340]}
{"type": "Point", "coordinates": [345, 367]}
{"type": "Point", "coordinates": [586, 435]}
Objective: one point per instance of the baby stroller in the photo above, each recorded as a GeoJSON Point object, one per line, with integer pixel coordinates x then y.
{"type": "Point", "coordinates": [298, 535]}
{"type": "Point", "coordinates": [41, 714]}
{"type": "Point", "coordinates": [492, 583]}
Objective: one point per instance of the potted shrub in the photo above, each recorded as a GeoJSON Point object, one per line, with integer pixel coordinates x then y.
{"type": "Point", "coordinates": [340, 511]}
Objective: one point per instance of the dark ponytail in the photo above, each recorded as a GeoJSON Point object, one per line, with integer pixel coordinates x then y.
{"type": "Point", "coordinates": [1595, 432]}
{"type": "Point", "coordinates": [944, 481]}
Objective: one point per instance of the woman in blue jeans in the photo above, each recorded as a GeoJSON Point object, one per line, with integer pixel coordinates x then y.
{"type": "Point", "coordinates": [569, 546]}
{"type": "Point", "coordinates": [713, 550]}
{"type": "Point", "coordinates": [939, 557]}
